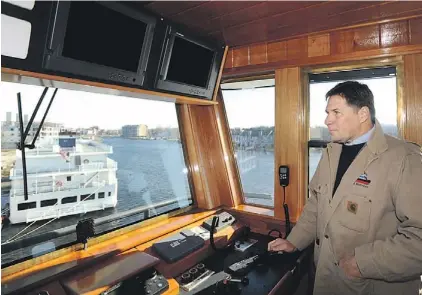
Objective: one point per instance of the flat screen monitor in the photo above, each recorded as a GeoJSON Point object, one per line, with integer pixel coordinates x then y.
{"type": "Point", "coordinates": [189, 65]}
{"type": "Point", "coordinates": [103, 40]}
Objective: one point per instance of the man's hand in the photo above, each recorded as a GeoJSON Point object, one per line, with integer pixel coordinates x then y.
{"type": "Point", "coordinates": [350, 267]}
{"type": "Point", "coordinates": [281, 245]}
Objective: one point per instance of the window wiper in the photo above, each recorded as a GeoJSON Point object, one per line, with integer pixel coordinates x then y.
{"type": "Point", "coordinates": [22, 145]}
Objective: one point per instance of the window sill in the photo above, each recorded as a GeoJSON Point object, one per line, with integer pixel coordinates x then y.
{"type": "Point", "coordinates": [49, 263]}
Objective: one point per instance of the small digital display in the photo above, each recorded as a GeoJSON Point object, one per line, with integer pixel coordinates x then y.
{"type": "Point", "coordinates": [100, 35]}
{"type": "Point", "coordinates": [190, 63]}
{"type": "Point", "coordinates": [283, 170]}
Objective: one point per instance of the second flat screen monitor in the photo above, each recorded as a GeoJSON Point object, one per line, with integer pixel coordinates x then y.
{"type": "Point", "coordinates": [189, 66]}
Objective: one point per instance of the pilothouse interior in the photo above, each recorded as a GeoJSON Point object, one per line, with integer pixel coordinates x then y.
{"type": "Point", "coordinates": [158, 147]}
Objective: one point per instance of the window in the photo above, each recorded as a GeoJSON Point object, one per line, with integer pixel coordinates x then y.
{"type": "Point", "coordinates": [250, 108]}
{"type": "Point", "coordinates": [46, 203]}
{"type": "Point", "coordinates": [87, 197]}
{"type": "Point", "coordinates": [69, 200]}
{"type": "Point", "coordinates": [382, 83]}
{"type": "Point", "coordinates": [26, 206]}
{"type": "Point", "coordinates": [85, 154]}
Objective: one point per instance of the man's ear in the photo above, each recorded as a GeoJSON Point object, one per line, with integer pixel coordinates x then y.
{"type": "Point", "coordinates": [364, 114]}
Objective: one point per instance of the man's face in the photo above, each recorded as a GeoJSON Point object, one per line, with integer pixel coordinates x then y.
{"type": "Point", "coordinates": [342, 120]}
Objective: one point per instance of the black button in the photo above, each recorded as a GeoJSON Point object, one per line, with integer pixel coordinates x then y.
{"type": "Point", "coordinates": [326, 236]}
{"type": "Point", "coordinates": [317, 241]}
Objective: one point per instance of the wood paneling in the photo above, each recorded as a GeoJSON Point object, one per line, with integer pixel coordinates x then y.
{"type": "Point", "coordinates": [342, 42]}
{"type": "Point", "coordinates": [206, 156]}
{"type": "Point", "coordinates": [258, 54]}
{"type": "Point", "coordinates": [297, 49]}
{"type": "Point", "coordinates": [239, 23]}
{"type": "Point", "coordinates": [228, 150]}
{"type": "Point", "coordinates": [319, 45]}
{"type": "Point", "coordinates": [413, 97]}
{"type": "Point", "coordinates": [394, 34]}
{"type": "Point", "coordinates": [240, 57]}
{"type": "Point", "coordinates": [277, 51]}
{"type": "Point", "coordinates": [366, 38]}
{"type": "Point", "coordinates": [291, 142]}
{"type": "Point", "coordinates": [415, 31]}
{"type": "Point", "coordinates": [373, 40]}
{"type": "Point", "coordinates": [90, 86]}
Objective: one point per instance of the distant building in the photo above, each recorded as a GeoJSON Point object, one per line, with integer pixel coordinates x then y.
{"type": "Point", "coordinates": [10, 132]}
{"type": "Point", "coordinates": [135, 131]}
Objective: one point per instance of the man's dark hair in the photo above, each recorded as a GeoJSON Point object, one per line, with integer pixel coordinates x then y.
{"type": "Point", "coordinates": [356, 94]}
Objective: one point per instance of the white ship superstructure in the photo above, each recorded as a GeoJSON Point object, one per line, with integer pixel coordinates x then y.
{"type": "Point", "coordinates": [65, 176]}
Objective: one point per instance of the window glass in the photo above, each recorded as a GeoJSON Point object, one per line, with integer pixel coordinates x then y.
{"type": "Point", "coordinates": [250, 113]}
{"type": "Point", "coordinates": [118, 160]}
{"type": "Point", "coordinates": [385, 100]}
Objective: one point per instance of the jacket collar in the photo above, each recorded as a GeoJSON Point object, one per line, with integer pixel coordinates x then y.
{"type": "Point", "coordinates": [377, 144]}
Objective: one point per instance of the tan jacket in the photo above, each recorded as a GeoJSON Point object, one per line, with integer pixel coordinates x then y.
{"type": "Point", "coordinates": [376, 213]}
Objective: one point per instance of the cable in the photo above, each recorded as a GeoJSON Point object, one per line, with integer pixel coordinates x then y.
{"type": "Point", "coordinates": [286, 213]}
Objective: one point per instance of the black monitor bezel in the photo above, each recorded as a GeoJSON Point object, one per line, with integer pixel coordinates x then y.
{"type": "Point", "coordinates": [55, 61]}
{"type": "Point", "coordinates": [173, 86]}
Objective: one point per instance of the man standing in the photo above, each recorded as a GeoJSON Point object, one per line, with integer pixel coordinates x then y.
{"type": "Point", "coordinates": [365, 207]}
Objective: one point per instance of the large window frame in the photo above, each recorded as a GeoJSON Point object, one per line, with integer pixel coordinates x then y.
{"type": "Point", "coordinates": [373, 68]}
{"type": "Point", "coordinates": [255, 82]}
{"type": "Point", "coordinates": [66, 83]}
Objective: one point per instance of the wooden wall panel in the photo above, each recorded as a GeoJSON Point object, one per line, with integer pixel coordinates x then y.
{"type": "Point", "coordinates": [228, 151]}
{"type": "Point", "coordinates": [415, 30]}
{"type": "Point", "coordinates": [342, 42]}
{"type": "Point", "coordinates": [394, 34]}
{"type": "Point", "coordinates": [258, 54]}
{"type": "Point", "coordinates": [277, 51]}
{"type": "Point", "coordinates": [366, 41]}
{"type": "Point", "coordinates": [201, 132]}
{"type": "Point", "coordinates": [241, 57]}
{"type": "Point", "coordinates": [297, 48]}
{"type": "Point", "coordinates": [291, 140]}
{"type": "Point", "coordinates": [413, 97]}
{"type": "Point", "coordinates": [366, 38]}
{"type": "Point", "coordinates": [319, 45]}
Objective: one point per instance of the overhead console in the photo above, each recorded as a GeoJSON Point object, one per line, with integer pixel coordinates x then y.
{"type": "Point", "coordinates": [118, 43]}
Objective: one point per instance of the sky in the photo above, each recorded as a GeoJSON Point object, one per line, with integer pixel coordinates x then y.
{"type": "Point", "coordinates": [245, 108]}
{"type": "Point", "coordinates": [78, 109]}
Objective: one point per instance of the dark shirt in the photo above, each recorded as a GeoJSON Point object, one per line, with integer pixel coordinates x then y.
{"type": "Point", "coordinates": [348, 154]}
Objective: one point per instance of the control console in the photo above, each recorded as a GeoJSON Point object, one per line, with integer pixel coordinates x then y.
{"type": "Point", "coordinates": [224, 219]}
{"type": "Point", "coordinates": [148, 283]}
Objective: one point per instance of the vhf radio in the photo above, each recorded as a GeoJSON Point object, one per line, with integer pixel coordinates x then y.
{"type": "Point", "coordinates": [284, 176]}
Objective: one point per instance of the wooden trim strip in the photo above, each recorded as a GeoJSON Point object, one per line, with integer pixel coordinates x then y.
{"type": "Point", "coordinates": [329, 59]}
{"type": "Point", "coordinates": [142, 93]}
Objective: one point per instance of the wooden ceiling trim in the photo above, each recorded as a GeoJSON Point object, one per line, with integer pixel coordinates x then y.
{"type": "Point", "coordinates": [321, 14]}
{"type": "Point", "coordinates": [261, 12]}
{"type": "Point", "coordinates": [232, 27]}
{"type": "Point", "coordinates": [166, 8]}
{"type": "Point", "coordinates": [235, 7]}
